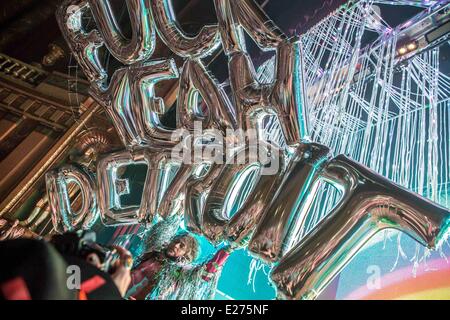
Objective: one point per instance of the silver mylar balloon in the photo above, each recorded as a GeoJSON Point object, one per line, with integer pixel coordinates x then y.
{"type": "Point", "coordinates": [296, 189]}
{"type": "Point", "coordinates": [283, 97]}
{"type": "Point", "coordinates": [199, 46]}
{"type": "Point", "coordinates": [63, 217]}
{"type": "Point", "coordinates": [197, 190]}
{"type": "Point", "coordinates": [249, 215]}
{"type": "Point", "coordinates": [233, 16]}
{"type": "Point", "coordinates": [131, 103]}
{"type": "Point", "coordinates": [288, 95]}
{"type": "Point", "coordinates": [111, 187]}
{"type": "Point", "coordinates": [168, 170]}
{"type": "Point", "coordinates": [175, 191]}
{"type": "Point", "coordinates": [370, 203]}
{"type": "Point", "coordinates": [148, 108]}
{"type": "Point", "coordinates": [142, 43]}
{"type": "Point", "coordinates": [198, 177]}
{"type": "Point", "coordinates": [84, 45]}
{"type": "Point", "coordinates": [195, 80]}
{"type": "Point", "coordinates": [228, 190]}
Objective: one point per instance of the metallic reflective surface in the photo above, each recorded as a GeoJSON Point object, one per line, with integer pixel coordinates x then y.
{"type": "Point", "coordinates": [194, 81]}
{"type": "Point", "coordinates": [283, 97]}
{"type": "Point", "coordinates": [84, 45]}
{"type": "Point", "coordinates": [245, 220]}
{"type": "Point", "coordinates": [175, 191]}
{"type": "Point", "coordinates": [197, 191]}
{"type": "Point", "coordinates": [233, 16]}
{"type": "Point", "coordinates": [63, 217]}
{"type": "Point", "coordinates": [291, 199]}
{"type": "Point", "coordinates": [268, 205]}
{"type": "Point", "coordinates": [199, 46]}
{"type": "Point", "coordinates": [370, 203]}
{"type": "Point", "coordinates": [111, 187]}
{"type": "Point", "coordinates": [131, 103]}
{"type": "Point", "coordinates": [229, 188]}
{"type": "Point", "coordinates": [142, 43]}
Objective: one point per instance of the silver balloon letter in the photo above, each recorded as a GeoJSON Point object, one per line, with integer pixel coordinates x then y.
{"type": "Point", "coordinates": [58, 189]}
{"type": "Point", "coordinates": [84, 46]}
{"type": "Point", "coordinates": [285, 95]}
{"type": "Point", "coordinates": [111, 187]}
{"type": "Point", "coordinates": [181, 44]}
{"type": "Point", "coordinates": [132, 105]}
{"type": "Point", "coordinates": [291, 202]}
{"type": "Point", "coordinates": [195, 80]}
{"type": "Point", "coordinates": [369, 204]}
{"type": "Point", "coordinates": [142, 43]}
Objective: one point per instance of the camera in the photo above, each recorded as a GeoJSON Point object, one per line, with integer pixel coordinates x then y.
{"type": "Point", "coordinates": [83, 243]}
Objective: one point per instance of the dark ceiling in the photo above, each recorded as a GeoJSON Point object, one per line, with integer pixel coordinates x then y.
{"type": "Point", "coordinates": [28, 27]}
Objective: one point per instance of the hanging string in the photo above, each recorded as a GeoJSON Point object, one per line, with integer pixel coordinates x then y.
{"type": "Point", "coordinates": [392, 118]}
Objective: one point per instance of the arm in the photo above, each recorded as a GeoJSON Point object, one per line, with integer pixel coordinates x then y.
{"type": "Point", "coordinates": [216, 263]}
{"type": "Point", "coordinates": [144, 278]}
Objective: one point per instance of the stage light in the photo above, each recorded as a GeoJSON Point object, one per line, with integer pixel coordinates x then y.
{"type": "Point", "coordinates": [412, 46]}
{"type": "Point", "coordinates": [402, 51]}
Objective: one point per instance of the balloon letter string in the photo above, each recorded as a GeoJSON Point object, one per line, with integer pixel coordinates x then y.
{"type": "Point", "coordinates": [262, 198]}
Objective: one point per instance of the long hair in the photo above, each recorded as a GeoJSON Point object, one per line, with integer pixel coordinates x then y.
{"type": "Point", "coordinates": [192, 246]}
